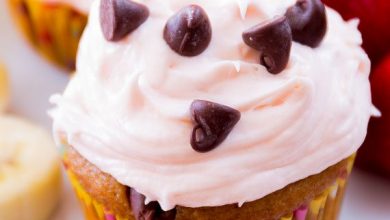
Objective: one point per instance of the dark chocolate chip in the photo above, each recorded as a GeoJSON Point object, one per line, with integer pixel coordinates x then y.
{"type": "Point", "coordinates": [118, 18]}
{"type": "Point", "coordinates": [213, 123]}
{"type": "Point", "coordinates": [307, 19]}
{"type": "Point", "coordinates": [151, 211]}
{"type": "Point", "coordinates": [273, 39]}
{"type": "Point", "coordinates": [189, 31]}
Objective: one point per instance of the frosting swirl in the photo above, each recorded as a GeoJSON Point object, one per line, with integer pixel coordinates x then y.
{"type": "Point", "coordinates": [127, 108]}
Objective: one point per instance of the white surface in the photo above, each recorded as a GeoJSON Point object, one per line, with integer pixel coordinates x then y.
{"type": "Point", "coordinates": [33, 80]}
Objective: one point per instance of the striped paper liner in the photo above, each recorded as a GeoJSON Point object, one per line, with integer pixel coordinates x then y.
{"type": "Point", "coordinates": [324, 207]}
{"type": "Point", "coordinates": [53, 29]}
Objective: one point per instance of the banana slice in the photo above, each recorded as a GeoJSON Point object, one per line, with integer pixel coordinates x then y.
{"type": "Point", "coordinates": [30, 176]}
{"type": "Point", "coordinates": [4, 90]}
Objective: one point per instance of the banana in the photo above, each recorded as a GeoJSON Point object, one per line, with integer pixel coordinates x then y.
{"type": "Point", "coordinates": [4, 89]}
{"type": "Point", "coordinates": [30, 179]}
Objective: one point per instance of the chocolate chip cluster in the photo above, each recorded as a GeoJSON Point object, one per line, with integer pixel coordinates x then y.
{"type": "Point", "coordinates": [305, 22]}
{"type": "Point", "coordinates": [189, 32]}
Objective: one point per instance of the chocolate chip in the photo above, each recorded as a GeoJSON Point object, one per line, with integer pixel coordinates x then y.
{"type": "Point", "coordinates": [189, 31]}
{"type": "Point", "coordinates": [213, 123]}
{"type": "Point", "coordinates": [273, 39]}
{"type": "Point", "coordinates": [151, 211]}
{"type": "Point", "coordinates": [118, 18]}
{"type": "Point", "coordinates": [307, 19]}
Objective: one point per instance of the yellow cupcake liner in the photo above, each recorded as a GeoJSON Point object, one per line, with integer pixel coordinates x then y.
{"type": "Point", "coordinates": [4, 89]}
{"type": "Point", "coordinates": [324, 207]}
{"type": "Point", "coordinates": [53, 29]}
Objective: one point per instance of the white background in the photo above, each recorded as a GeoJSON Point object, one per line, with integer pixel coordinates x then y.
{"type": "Point", "coordinates": [33, 81]}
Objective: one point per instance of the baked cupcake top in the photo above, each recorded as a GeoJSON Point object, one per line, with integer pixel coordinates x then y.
{"type": "Point", "coordinates": [82, 6]}
{"type": "Point", "coordinates": [206, 103]}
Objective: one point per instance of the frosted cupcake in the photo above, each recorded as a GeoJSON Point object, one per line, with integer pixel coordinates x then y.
{"type": "Point", "coordinates": [54, 27]}
{"type": "Point", "coordinates": [214, 110]}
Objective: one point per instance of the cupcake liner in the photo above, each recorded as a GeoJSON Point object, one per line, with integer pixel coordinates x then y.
{"type": "Point", "coordinates": [324, 207]}
{"type": "Point", "coordinates": [53, 29]}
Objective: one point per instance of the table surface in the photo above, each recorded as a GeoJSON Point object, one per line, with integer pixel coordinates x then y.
{"type": "Point", "coordinates": [33, 81]}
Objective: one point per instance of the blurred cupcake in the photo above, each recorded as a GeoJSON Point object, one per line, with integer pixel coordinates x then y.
{"type": "Point", "coordinates": [30, 177]}
{"type": "Point", "coordinates": [214, 110]}
{"type": "Point", "coordinates": [54, 27]}
{"type": "Point", "coordinates": [4, 89]}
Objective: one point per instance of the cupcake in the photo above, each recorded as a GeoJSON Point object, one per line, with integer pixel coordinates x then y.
{"type": "Point", "coordinates": [30, 177]}
{"type": "Point", "coordinates": [214, 110]}
{"type": "Point", "coordinates": [54, 27]}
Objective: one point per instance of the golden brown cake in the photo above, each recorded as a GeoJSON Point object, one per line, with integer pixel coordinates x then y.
{"type": "Point", "coordinates": [318, 194]}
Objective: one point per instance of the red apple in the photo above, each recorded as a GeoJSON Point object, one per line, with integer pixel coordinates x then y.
{"type": "Point", "coordinates": [375, 153]}
{"type": "Point", "coordinates": [374, 18]}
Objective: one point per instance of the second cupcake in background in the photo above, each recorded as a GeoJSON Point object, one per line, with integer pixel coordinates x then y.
{"type": "Point", "coordinates": [4, 89]}
{"type": "Point", "coordinates": [54, 27]}
{"type": "Point", "coordinates": [214, 110]}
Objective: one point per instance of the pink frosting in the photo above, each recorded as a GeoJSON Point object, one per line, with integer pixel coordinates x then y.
{"type": "Point", "coordinates": [82, 6]}
{"type": "Point", "coordinates": [127, 108]}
